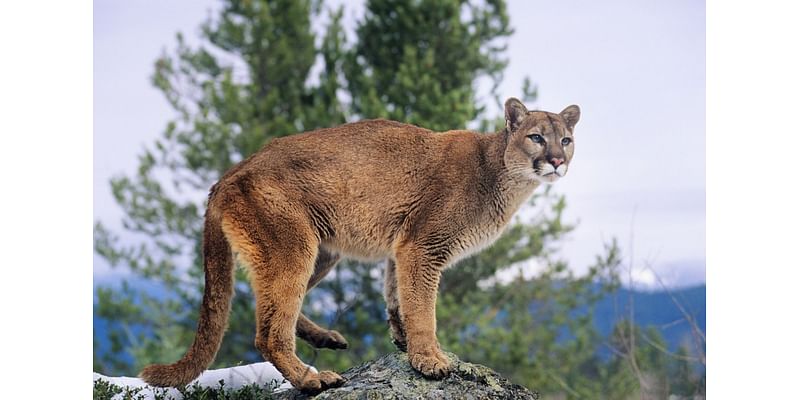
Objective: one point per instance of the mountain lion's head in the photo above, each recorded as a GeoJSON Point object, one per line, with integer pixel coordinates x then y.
{"type": "Point", "coordinates": [539, 144]}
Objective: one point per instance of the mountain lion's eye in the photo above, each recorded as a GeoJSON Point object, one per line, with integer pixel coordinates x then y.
{"type": "Point", "coordinates": [536, 138]}
{"type": "Point", "coordinates": [565, 141]}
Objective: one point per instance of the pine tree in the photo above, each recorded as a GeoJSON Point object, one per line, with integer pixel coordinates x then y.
{"type": "Point", "coordinates": [419, 61]}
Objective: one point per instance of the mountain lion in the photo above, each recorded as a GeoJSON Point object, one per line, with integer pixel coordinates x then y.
{"type": "Point", "coordinates": [369, 190]}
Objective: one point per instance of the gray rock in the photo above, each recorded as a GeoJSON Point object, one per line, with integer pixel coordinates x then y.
{"type": "Point", "coordinates": [391, 377]}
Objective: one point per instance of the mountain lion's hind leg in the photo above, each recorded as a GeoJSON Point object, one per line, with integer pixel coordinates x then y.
{"type": "Point", "coordinates": [279, 248]}
{"type": "Point", "coordinates": [393, 307]}
{"type": "Point", "coordinates": [418, 272]}
{"type": "Point", "coordinates": [318, 336]}
{"type": "Point", "coordinates": [307, 330]}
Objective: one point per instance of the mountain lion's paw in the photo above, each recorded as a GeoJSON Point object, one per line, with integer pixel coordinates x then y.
{"type": "Point", "coordinates": [331, 340]}
{"type": "Point", "coordinates": [314, 383]}
{"type": "Point", "coordinates": [432, 364]}
{"type": "Point", "coordinates": [331, 379]}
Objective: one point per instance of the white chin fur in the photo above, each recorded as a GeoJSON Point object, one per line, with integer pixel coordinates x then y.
{"type": "Point", "coordinates": [547, 178]}
{"type": "Point", "coordinates": [549, 174]}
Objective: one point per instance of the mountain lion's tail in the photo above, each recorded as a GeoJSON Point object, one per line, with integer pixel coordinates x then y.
{"type": "Point", "coordinates": [213, 313]}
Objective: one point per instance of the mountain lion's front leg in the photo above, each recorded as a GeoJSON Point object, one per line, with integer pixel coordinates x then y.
{"type": "Point", "coordinates": [396, 328]}
{"type": "Point", "coordinates": [418, 273]}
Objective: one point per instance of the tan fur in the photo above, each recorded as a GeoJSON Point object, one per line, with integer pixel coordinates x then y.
{"type": "Point", "coordinates": [368, 190]}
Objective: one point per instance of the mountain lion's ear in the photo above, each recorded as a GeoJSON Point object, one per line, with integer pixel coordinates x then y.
{"type": "Point", "coordinates": [515, 113]}
{"type": "Point", "coordinates": [571, 115]}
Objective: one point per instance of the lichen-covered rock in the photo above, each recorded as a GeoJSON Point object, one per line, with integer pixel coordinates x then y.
{"type": "Point", "coordinates": [391, 377]}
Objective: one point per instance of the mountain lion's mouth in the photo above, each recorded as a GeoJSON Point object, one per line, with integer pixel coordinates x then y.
{"type": "Point", "coordinates": [548, 173]}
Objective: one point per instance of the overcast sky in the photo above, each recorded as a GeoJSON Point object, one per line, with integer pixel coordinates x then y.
{"type": "Point", "coordinates": [636, 68]}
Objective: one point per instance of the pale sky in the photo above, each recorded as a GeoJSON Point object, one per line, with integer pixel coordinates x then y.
{"type": "Point", "coordinates": [635, 67]}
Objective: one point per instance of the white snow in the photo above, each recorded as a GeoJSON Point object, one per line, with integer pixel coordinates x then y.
{"type": "Point", "coordinates": [234, 377]}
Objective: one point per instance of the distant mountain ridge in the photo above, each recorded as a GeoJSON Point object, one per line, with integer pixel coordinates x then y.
{"type": "Point", "coordinates": [655, 308]}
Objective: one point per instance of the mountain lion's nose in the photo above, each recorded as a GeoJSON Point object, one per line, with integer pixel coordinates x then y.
{"type": "Point", "coordinates": [556, 161]}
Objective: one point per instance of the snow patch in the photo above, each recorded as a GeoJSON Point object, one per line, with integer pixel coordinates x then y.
{"type": "Point", "coordinates": [234, 378]}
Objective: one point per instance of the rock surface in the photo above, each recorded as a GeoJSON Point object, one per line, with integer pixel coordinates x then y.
{"type": "Point", "coordinates": [391, 377]}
